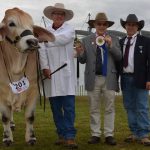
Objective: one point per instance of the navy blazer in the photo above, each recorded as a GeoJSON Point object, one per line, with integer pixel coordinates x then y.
{"type": "Point", "coordinates": [141, 60]}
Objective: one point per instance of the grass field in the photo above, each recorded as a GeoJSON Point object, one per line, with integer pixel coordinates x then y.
{"type": "Point", "coordinates": [46, 136]}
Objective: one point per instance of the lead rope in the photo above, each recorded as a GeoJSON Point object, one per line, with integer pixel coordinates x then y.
{"type": "Point", "coordinates": [5, 63]}
{"type": "Point", "coordinates": [6, 66]}
{"type": "Point", "coordinates": [39, 79]}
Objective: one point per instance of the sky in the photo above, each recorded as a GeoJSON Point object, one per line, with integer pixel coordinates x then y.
{"type": "Point", "coordinates": [114, 9]}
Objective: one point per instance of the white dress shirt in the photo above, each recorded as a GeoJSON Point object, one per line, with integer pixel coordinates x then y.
{"type": "Point", "coordinates": [130, 67]}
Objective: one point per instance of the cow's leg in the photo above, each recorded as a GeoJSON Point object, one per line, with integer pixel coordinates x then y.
{"type": "Point", "coordinates": [12, 124]}
{"type": "Point", "coordinates": [7, 134]}
{"type": "Point", "coordinates": [29, 116]}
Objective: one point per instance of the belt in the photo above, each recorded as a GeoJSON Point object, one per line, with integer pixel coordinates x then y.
{"type": "Point", "coordinates": [98, 74]}
{"type": "Point", "coordinates": [128, 73]}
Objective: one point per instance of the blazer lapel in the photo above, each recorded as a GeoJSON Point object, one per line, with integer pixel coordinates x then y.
{"type": "Point", "coordinates": [137, 43]}
{"type": "Point", "coordinates": [122, 43]}
{"type": "Point", "coordinates": [93, 43]}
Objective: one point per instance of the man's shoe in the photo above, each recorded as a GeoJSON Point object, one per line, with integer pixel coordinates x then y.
{"type": "Point", "coordinates": [110, 140]}
{"type": "Point", "coordinates": [60, 141]}
{"type": "Point", "coordinates": [94, 140]}
{"type": "Point", "coordinates": [131, 138]}
{"type": "Point", "coordinates": [145, 141]}
{"type": "Point", "coordinates": [71, 144]}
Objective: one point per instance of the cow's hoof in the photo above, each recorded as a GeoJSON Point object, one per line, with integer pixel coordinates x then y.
{"type": "Point", "coordinates": [32, 142]}
{"type": "Point", "coordinates": [7, 142]}
{"type": "Point", "coordinates": [12, 126]}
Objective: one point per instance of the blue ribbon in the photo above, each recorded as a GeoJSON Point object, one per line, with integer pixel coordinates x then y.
{"type": "Point", "coordinates": [104, 64]}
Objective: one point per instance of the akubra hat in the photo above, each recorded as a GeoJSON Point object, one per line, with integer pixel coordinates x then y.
{"type": "Point", "coordinates": [100, 17]}
{"type": "Point", "coordinates": [132, 18]}
{"type": "Point", "coordinates": [48, 11]}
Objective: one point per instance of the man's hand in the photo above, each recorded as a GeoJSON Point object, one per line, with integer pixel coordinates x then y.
{"type": "Point", "coordinates": [78, 47]}
{"type": "Point", "coordinates": [148, 85]}
{"type": "Point", "coordinates": [46, 73]}
{"type": "Point", "coordinates": [108, 40]}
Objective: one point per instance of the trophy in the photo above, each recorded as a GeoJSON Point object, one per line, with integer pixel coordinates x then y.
{"type": "Point", "coordinates": [77, 43]}
{"type": "Point", "coordinates": [100, 41]}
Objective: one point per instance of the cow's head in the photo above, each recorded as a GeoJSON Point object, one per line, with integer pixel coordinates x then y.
{"type": "Point", "coordinates": [18, 29]}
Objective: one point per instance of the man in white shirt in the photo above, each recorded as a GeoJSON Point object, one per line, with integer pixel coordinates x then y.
{"type": "Point", "coordinates": [60, 87]}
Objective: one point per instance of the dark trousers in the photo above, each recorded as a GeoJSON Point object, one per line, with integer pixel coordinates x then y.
{"type": "Point", "coordinates": [63, 109]}
{"type": "Point", "coordinates": [137, 106]}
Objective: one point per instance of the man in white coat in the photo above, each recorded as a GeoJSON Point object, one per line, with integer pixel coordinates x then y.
{"type": "Point", "coordinates": [60, 87]}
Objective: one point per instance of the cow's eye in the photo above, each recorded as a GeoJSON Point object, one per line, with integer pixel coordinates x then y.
{"type": "Point", "coordinates": [12, 24]}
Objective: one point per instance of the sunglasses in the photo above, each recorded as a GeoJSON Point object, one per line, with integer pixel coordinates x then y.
{"type": "Point", "coordinates": [59, 13]}
{"type": "Point", "coordinates": [101, 24]}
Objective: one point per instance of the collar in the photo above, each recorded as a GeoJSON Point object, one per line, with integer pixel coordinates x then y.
{"type": "Point", "coordinates": [61, 27]}
{"type": "Point", "coordinates": [55, 28]}
{"type": "Point", "coordinates": [133, 36]}
{"type": "Point", "coordinates": [132, 41]}
{"type": "Point", "coordinates": [101, 35]}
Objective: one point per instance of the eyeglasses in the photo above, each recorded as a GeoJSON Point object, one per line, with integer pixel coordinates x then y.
{"type": "Point", "coordinates": [101, 24]}
{"type": "Point", "coordinates": [59, 13]}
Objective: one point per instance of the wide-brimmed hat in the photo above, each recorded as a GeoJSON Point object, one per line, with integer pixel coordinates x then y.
{"type": "Point", "coordinates": [99, 18]}
{"type": "Point", "coordinates": [58, 7]}
{"type": "Point", "coordinates": [132, 18]}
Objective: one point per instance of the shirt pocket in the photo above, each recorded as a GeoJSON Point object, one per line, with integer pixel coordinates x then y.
{"type": "Point", "coordinates": [67, 69]}
{"type": "Point", "coordinates": [114, 71]}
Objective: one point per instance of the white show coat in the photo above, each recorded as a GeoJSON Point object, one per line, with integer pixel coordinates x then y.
{"type": "Point", "coordinates": [55, 54]}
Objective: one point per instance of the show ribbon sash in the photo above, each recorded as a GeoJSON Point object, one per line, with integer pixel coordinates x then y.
{"type": "Point", "coordinates": [104, 52]}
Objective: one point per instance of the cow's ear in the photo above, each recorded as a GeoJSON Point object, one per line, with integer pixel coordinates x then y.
{"type": "Point", "coordinates": [42, 34]}
{"type": "Point", "coordinates": [2, 31]}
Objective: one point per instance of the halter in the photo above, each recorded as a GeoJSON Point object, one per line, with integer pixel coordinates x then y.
{"type": "Point", "coordinates": [18, 38]}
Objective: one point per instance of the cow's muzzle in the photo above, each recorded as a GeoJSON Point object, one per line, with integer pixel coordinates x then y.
{"type": "Point", "coordinates": [33, 44]}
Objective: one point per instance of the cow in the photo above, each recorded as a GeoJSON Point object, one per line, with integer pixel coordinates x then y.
{"type": "Point", "coordinates": [19, 43]}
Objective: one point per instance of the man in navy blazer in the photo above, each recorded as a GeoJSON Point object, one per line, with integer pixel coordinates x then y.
{"type": "Point", "coordinates": [135, 79]}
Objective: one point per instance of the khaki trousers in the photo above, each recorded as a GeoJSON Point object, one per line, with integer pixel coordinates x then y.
{"type": "Point", "coordinates": [95, 100]}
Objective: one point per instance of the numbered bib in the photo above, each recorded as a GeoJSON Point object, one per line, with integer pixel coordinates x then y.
{"type": "Point", "coordinates": [19, 86]}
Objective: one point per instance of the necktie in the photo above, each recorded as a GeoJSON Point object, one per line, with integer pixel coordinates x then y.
{"type": "Point", "coordinates": [126, 53]}
{"type": "Point", "coordinates": [98, 61]}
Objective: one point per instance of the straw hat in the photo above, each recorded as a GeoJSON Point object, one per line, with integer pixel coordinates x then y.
{"type": "Point", "coordinates": [132, 18]}
{"type": "Point", "coordinates": [58, 7]}
{"type": "Point", "coordinates": [100, 17]}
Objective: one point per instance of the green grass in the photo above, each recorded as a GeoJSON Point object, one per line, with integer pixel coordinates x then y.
{"type": "Point", "coordinates": [46, 135]}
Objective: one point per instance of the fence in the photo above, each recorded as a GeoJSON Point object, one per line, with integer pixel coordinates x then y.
{"type": "Point", "coordinates": [80, 91]}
